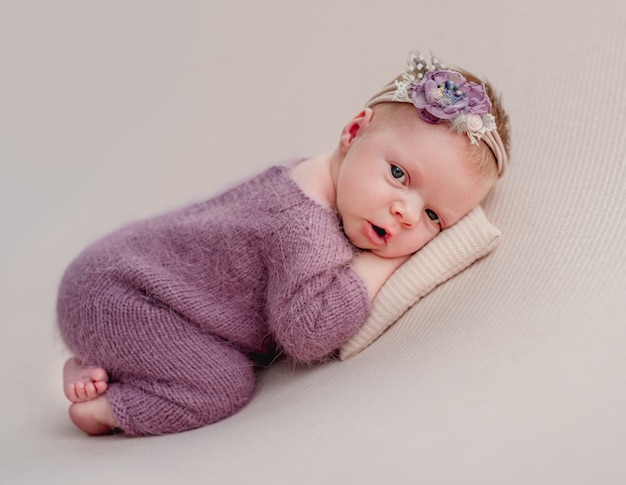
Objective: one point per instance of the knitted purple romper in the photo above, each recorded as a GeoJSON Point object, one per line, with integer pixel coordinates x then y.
{"type": "Point", "coordinates": [180, 309]}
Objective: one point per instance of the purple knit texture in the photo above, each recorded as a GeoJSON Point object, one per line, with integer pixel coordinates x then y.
{"type": "Point", "coordinates": [179, 309]}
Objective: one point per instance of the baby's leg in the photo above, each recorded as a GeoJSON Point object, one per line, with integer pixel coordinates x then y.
{"type": "Point", "coordinates": [165, 373]}
{"type": "Point", "coordinates": [83, 383]}
{"type": "Point", "coordinates": [193, 380]}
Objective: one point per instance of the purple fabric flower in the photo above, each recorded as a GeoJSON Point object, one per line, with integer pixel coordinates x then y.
{"type": "Point", "coordinates": [443, 95]}
{"type": "Point", "coordinates": [478, 101]}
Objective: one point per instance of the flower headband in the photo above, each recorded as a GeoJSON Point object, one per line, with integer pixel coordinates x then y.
{"type": "Point", "coordinates": [442, 95]}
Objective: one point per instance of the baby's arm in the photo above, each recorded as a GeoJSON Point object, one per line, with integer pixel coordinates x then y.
{"type": "Point", "coordinates": [314, 314]}
{"type": "Point", "coordinates": [315, 301]}
{"type": "Point", "coordinates": [375, 270]}
{"type": "Point", "coordinates": [314, 306]}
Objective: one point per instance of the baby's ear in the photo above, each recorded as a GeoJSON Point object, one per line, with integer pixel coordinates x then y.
{"type": "Point", "coordinates": [354, 128]}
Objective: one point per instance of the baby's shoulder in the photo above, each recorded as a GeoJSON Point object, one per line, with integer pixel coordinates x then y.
{"type": "Point", "coordinates": [314, 179]}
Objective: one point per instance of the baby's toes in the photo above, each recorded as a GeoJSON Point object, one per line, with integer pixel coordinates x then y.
{"type": "Point", "coordinates": [81, 390]}
{"type": "Point", "coordinates": [70, 392]}
{"type": "Point", "coordinates": [100, 386]}
{"type": "Point", "coordinates": [98, 374]}
{"type": "Point", "coordinates": [90, 390]}
{"type": "Point", "coordinates": [75, 391]}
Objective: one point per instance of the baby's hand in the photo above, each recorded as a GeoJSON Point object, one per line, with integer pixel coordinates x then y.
{"type": "Point", "coordinates": [375, 270]}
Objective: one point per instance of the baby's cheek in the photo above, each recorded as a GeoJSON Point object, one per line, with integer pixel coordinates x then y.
{"type": "Point", "coordinates": [420, 240]}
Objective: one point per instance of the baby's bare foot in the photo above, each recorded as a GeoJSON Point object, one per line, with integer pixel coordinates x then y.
{"type": "Point", "coordinates": [83, 383]}
{"type": "Point", "coordinates": [95, 416]}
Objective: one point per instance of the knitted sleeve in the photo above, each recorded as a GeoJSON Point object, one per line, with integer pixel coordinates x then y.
{"type": "Point", "coordinates": [315, 302]}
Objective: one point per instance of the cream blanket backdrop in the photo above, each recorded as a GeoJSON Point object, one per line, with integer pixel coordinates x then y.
{"type": "Point", "coordinates": [513, 372]}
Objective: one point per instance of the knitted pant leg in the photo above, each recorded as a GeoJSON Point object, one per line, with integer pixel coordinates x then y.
{"type": "Point", "coordinates": [166, 374]}
{"type": "Point", "coordinates": [199, 380]}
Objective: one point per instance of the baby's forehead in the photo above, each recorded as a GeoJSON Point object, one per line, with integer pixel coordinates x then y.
{"type": "Point", "coordinates": [419, 142]}
{"type": "Point", "coordinates": [402, 120]}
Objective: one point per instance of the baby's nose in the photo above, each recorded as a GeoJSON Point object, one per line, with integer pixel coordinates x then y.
{"type": "Point", "coordinates": [408, 210]}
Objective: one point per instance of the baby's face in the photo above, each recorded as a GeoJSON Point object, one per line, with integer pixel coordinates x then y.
{"type": "Point", "coordinates": [399, 186]}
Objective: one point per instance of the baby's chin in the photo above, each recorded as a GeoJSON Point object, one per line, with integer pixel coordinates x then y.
{"type": "Point", "coordinates": [390, 253]}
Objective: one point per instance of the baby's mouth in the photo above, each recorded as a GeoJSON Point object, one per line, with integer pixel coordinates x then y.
{"type": "Point", "coordinates": [380, 231]}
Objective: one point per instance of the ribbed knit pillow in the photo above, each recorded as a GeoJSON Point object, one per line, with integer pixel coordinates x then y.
{"type": "Point", "coordinates": [446, 255]}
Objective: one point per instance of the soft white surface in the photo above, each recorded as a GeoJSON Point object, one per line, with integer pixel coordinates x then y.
{"type": "Point", "coordinates": [511, 373]}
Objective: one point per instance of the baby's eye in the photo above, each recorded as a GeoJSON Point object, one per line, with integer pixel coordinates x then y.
{"type": "Point", "coordinates": [432, 215]}
{"type": "Point", "coordinates": [398, 174]}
